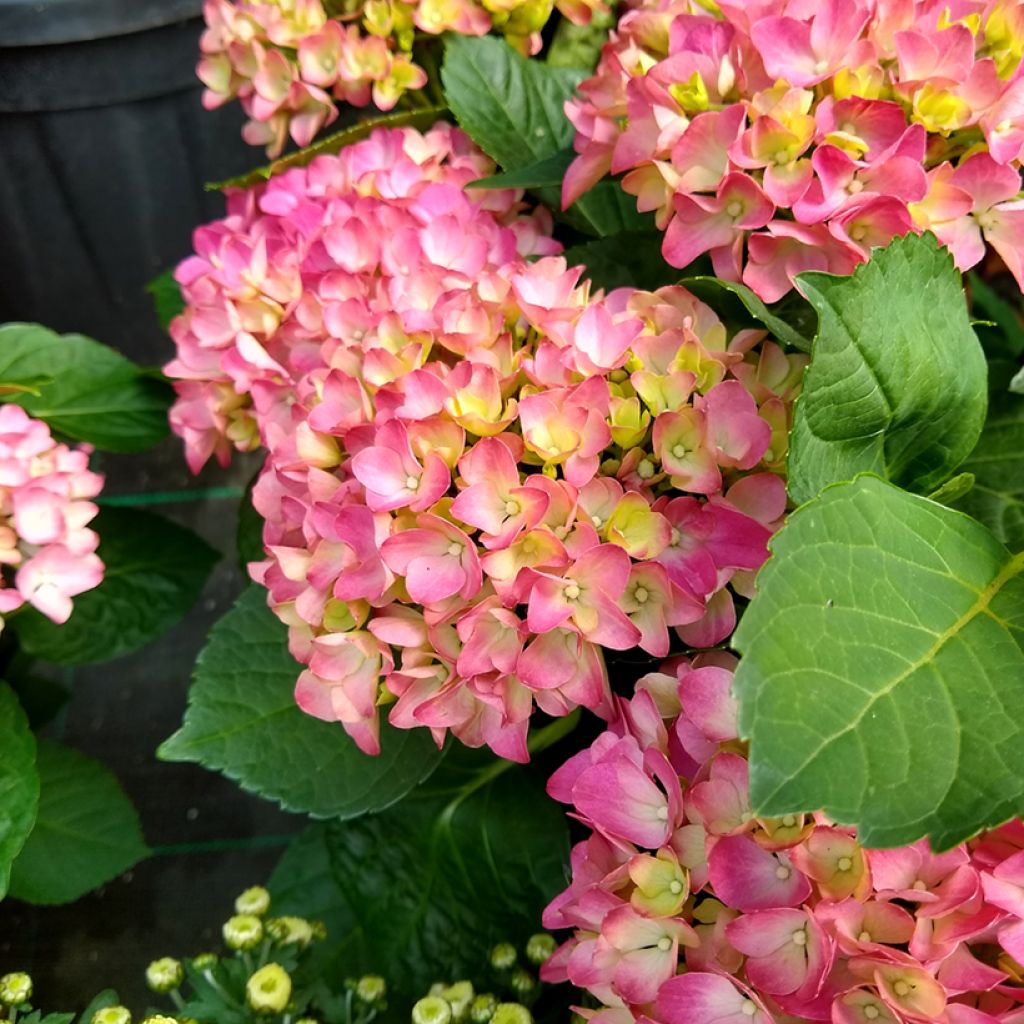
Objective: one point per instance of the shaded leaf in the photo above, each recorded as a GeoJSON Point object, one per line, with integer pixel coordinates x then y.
{"type": "Point", "coordinates": [155, 570]}
{"type": "Point", "coordinates": [882, 677]}
{"type": "Point", "coordinates": [897, 381]}
{"type": "Point", "coordinates": [168, 301]}
{"type": "Point", "coordinates": [630, 260]}
{"type": "Point", "coordinates": [242, 720]}
{"type": "Point", "coordinates": [19, 782]}
{"type": "Point", "coordinates": [86, 832]}
{"type": "Point", "coordinates": [545, 173]}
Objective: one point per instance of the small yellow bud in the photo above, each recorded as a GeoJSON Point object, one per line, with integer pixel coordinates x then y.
{"type": "Point", "coordinates": [15, 988]}
{"type": "Point", "coordinates": [287, 931]}
{"type": "Point", "coordinates": [482, 1008]}
{"type": "Point", "coordinates": [511, 1013]}
{"type": "Point", "coordinates": [204, 961]}
{"type": "Point", "coordinates": [159, 1018]}
{"type": "Point", "coordinates": [243, 931]}
{"type": "Point", "coordinates": [431, 1010]}
{"type": "Point", "coordinates": [371, 989]}
{"type": "Point", "coordinates": [112, 1015]}
{"type": "Point", "coordinates": [269, 989]}
{"type": "Point", "coordinates": [164, 974]}
{"type": "Point", "coordinates": [253, 901]}
{"type": "Point", "coordinates": [539, 948]}
{"type": "Point", "coordinates": [522, 981]}
{"type": "Point", "coordinates": [459, 996]}
{"type": "Point", "coordinates": [503, 956]}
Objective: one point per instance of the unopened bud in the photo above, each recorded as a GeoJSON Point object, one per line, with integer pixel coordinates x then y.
{"type": "Point", "coordinates": [288, 931]}
{"type": "Point", "coordinates": [522, 982]}
{"type": "Point", "coordinates": [431, 1010]}
{"type": "Point", "coordinates": [482, 1008]}
{"type": "Point", "coordinates": [307, 1020]}
{"type": "Point", "coordinates": [539, 948]}
{"type": "Point", "coordinates": [204, 962]}
{"type": "Point", "coordinates": [164, 975]}
{"type": "Point", "coordinates": [269, 989]}
{"type": "Point", "coordinates": [112, 1015]}
{"type": "Point", "coordinates": [503, 956]}
{"type": "Point", "coordinates": [253, 901]}
{"type": "Point", "coordinates": [159, 1018]}
{"type": "Point", "coordinates": [459, 996]}
{"type": "Point", "coordinates": [243, 931]}
{"type": "Point", "coordinates": [371, 989]}
{"type": "Point", "coordinates": [511, 1013]}
{"type": "Point", "coordinates": [15, 989]}
{"type": "Point", "coordinates": [319, 930]}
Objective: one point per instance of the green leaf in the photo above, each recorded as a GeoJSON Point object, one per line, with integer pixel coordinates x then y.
{"type": "Point", "coordinates": [1017, 384]}
{"type": "Point", "coordinates": [997, 498]}
{"type": "Point", "coordinates": [155, 571]}
{"type": "Point", "coordinates": [1003, 315]}
{"type": "Point", "coordinates": [512, 108]}
{"type": "Point", "coordinates": [98, 395]}
{"type": "Point", "coordinates": [545, 173]}
{"type": "Point", "coordinates": [953, 489]}
{"type": "Point", "coordinates": [421, 119]}
{"type": "Point", "coordinates": [882, 677]}
{"type": "Point", "coordinates": [242, 720]}
{"type": "Point", "coordinates": [897, 381]}
{"type": "Point", "coordinates": [86, 832]}
{"type": "Point", "coordinates": [167, 298]}
{"type": "Point", "coordinates": [108, 997]}
{"type": "Point", "coordinates": [19, 782]}
{"type": "Point", "coordinates": [630, 260]}
{"type": "Point", "coordinates": [470, 858]}
{"type": "Point", "coordinates": [739, 307]}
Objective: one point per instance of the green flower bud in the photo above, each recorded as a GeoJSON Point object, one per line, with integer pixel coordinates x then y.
{"type": "Point", "coordinates": [164, 975]}
{"type": "Point", "coordinates": [539, 948]}
{"type": "Point", "coordinates": [431, 1010]}
{"type": "Point", "coordinates": [288, 931]}
{"type": "Point", "coordinates": [307, 1020]}
{"type": "Point", "coordinates": [204, 961]}
{"type": "Point", "coordinates": [243, 931]}
{"type": "Point", "coordinates": [159, 1018]}
{"type": "Point", "coordinates": [482, 1008]}
{"type": "Point", "coordinates": [459, 996]}
{"type": "Point", "coordinates": [371, 989]}
{"type": "Point", "coordinates": [503, 956]}
{"type": "Point", "coordinates": [511, 1013]}
{"type": "Point", "coordinates": [254, 901]}
{"type": "Point", "coordinates": [15, 989]}
{"type": "Point", "coordinates": [437, 989]}
{"type": "Point", "coordinates": [112, 1015]}
{"type": "Point", "coordinates": [269, 989]}
{"type": "Point", "coordinates": [319, 930]}
{"type": "Point", "coordinates": [522, 982]}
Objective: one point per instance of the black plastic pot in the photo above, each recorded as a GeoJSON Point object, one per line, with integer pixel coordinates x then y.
{"type": "Point", "coordinates": [104, 149]}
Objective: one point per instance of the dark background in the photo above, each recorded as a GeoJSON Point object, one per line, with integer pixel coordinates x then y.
{"type": "Point", "coordinates": [104, 149]}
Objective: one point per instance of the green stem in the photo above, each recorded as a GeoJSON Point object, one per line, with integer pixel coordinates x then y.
{"type": "Point", "coordinates": [179, 1003]}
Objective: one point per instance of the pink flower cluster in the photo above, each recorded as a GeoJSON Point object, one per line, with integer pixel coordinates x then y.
{"type": "Point", "coordinates": [46, 550]}
{"type": "Point", "coordinates": [289, 61]}
{"type": "Point", "coordinates": [687, 909]}
{"type": "Point", "coordinates": [788, 135]}
{"type": "Point", "coordinates": [480, 473]}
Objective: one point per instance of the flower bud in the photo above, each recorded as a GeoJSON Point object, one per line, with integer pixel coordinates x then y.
{"type": "Point", "coordinates": [503, 956]}
{"type": "Point", "coordinates": [204, 961]}
{"type": "Point", "coordinates": [112, 1015]}
{"type": "Point", "coordinates": [371, 989]}
{"type": "Point", "coordinates": [539, 948]}
{"type": "Point", "coordinates": [254, 901]}
{"type": "Point", "coordinates": [15, 989]}
{"type": "Point", "coordinates": [482, 1008]}
{"type": "Point", "coordinates": [522, 982]}
{"type": "Point", "coordinates": [243, 931]}
{"type": "Point", "coordinates": [164, 974]}
{"type": "Point", "coordinates": [459, 996]}
{"type": "Point", "coordinates": [511, 1013]}
{"type": "Point", "coordinates": [307, 1020]}
{"type": "Point", "coordinates": [287, 931]}
{"type": "Point", "coordinates": [269, 989]}
{"type": "Point", "coordinates": [159, 1018]}
{"type": "Point", "coordinates": [431, 1010]}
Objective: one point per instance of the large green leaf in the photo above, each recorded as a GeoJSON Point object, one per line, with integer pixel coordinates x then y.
{"type": "Point", "coordinates": [83, 389]}
{"type": "Point", "coordinates": [86, 832]}
{"type": "Point", "coordinates": [997, 497]}
{"type": "Point", "coordinates": [168, 301]}
{"type": "Point", "coordinates": [422, 890]}
{"type": "Point", "coordinates": [154, 573]}
{"type": "Point", "coordinates": [19, 782]}
{"type": "Point", "coordinates": [897, 381]}
{"type": "Point", "coordinates": [242, 720]}
{"type": "Point", "coordinates": [882, 676]}
{"type": "Point", "coordinates": [630, 260]}
{"type": "Point", "coordinates": [513, 109]}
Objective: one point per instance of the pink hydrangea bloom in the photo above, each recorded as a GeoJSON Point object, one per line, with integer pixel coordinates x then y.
{"type": "Point", "coordinates": [728, 917]}
{"type": "Point", "coordinates": [47, 551]}
{"type": "Point", "coordinates": [490, 469]}
{"type": "Point", "coordinates": [784, 136]}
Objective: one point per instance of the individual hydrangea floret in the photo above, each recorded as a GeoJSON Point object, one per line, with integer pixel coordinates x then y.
{"type": "Point", "coordinates": [782, 136]}
{"type": "Point", "coordinates": [482, 472]}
